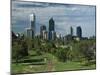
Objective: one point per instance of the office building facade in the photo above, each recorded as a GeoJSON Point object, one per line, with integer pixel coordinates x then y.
{"type": "Point", "coordinates": [71, 31]}
{"type": "Point", "coordinates": [30, 33]}
{"type": "Point", "coordinates": [51, 28]}
{"type": "Point", "coordinates": [79, 32]}
{"type": "Point", "coordinates": [33, 24]}
{"type": "Point", "coordinates": [42, 29]}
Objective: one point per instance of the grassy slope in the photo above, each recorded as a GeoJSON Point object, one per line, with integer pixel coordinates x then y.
{"type": "Point", "coordinates": [51, 64]}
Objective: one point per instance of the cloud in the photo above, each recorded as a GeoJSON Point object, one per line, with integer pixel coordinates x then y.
{"type": "Point", "coordinates": [65, 15]}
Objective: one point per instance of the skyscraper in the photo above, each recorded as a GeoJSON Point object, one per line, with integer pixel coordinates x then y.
{"type": "Point", "coordinates": [51, 28]}
{"type": "Point", "coordinates": [71, 31]}
{"type": "Point", "coordinates": [29, 33]}
{"type": "Point", "coordinates": [42, 28]}
{"type": "Point", "coordinates": [79, 32]}
{"type": "Point", "coordinates": [31, 30]}
{"type": "Point", "coordinates": [53, 35]}
{"type": "Point", "coordinates": [51, 25]}
{"type": "Point", "coordinates": [45, 34]}
{"type": "Point", "coordinates": [32, 24]}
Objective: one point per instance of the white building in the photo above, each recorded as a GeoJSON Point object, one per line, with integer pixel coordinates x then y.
{"type": "Point", "coordinates": [29, 33]}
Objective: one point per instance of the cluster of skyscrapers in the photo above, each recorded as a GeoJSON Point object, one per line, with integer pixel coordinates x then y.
{"type": "Point", "coordinates": [51, 33]}
{"type": "Point", "coordinates": [31, 29]}
{"type": "Point", "coordinates": [44, 34]}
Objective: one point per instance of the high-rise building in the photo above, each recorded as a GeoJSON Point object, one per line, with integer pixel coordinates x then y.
{"type": "Point", "coordinates": [45, 34]}
{"type": "Point", "coordinates": [32, 23]}
{"type": "Point", "coordinates": [71, 31]}
{"type": "Point", "coordinates": [30, 33]}
{"type": "Point", "coordinates": [53, 35]}
{"type": "Point", "coordinates": [79, 32]}
{"type": "Point", "coordinates": [51, 28]}
{"type": "Point", "coordinates": [42, 28]}
{"type": "Point", "coordinates": [51, 25]}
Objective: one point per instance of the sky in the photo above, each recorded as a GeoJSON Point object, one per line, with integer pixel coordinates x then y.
{"type": "Point", "coordinates": [64, 15]}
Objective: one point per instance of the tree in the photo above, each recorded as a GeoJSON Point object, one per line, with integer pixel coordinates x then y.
{"type": "Point", "coordinates": [87, 51]}
{"type": "Point", "coordinates": [28, 42]}
{"type": "Point", "coordinates": [62, 54]}
{"type": "Point", "coordinates": [16, 52]}
{"type": "Point", "coordinates": [19, 50]}
{"type": "Point", "coordinates": [39, 51]}
{"type": "Point", "coordinates": [24, 48]}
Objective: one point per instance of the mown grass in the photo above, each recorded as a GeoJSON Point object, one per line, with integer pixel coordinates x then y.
{"type": "Point", "coordinates": [72, 66]}
{"type": "Point", "coordinates": [38, 64]}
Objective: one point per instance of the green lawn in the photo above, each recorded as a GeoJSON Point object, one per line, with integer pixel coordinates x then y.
{"type": "Point", "coordinates": [72, 66]}
{"type": "Point", "coordinates": [36, 63]}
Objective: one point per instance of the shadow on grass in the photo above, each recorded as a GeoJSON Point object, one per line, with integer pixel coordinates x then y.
{"type": "Point", "coordinates": [33, 55]}
{"type": "Point", "coordinates": [38, 63]}
{"type": "Point", "coordinates": [32, 63]}
{"type": "Point", "coordinates": [29, 60]}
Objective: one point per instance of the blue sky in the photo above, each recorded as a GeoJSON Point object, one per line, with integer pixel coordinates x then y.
{"type": "Point", "coordinates": [64, 15]}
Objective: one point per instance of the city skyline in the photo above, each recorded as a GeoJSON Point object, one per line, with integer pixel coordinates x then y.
{"type": "Point", "coordinates": [64, 15]}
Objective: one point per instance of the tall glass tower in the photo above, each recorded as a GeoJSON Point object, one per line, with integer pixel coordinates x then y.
{"type": "Point", "coordinates": [51, 25]}
{"type": "Point", "coordinates": [32, 24]}
{"type": "Point", "coordinates": [79, 32]}
{"type": "Point", "coordinates": [42, 28]}
{"type": "Point", "coordinates": [51, 28]}
{"type": "Point", "coordinates": [71, 31]}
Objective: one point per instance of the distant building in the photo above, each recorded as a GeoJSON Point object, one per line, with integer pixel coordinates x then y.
{"type": "Point", "coordinates": [53, 33]}
{"type": "Point", "coordinates": [51, 25]}
{"type": "Point", "coordinates": [45, 34]}
{"type": "Point", "coordinates": [84, 38]}
{"type": "Point", "coordinates": [68, 37]}
{"type": "Point", "coordinates": [79, 32]}
{"type": "Point", "coordinates": [58, 36]}
{"type": "Point", "coordinates": [71, 31]}
{"type": "Point", "coordinates": [30, 33]}
{"type": "Point", "coordinates": [92, 37]}
{"type": "Point", "coordinates": [51, 28]}
{"type": "Point", "coordinates": [32, 24]}
{"type": "Point", "coordinates": [42, 28]}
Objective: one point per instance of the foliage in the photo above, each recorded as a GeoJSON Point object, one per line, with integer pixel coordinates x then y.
{"type": "Point", "coordinates": [62, 54]}
{"type": "Point", "coordinates": [87, 50]}
{"type": "Point", "coordinates": [19, 50]}
{"type": "Point", "coordinates": [16, 49]}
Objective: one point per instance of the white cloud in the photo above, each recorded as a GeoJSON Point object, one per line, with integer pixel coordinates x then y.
{"type": "Point", "coordinates": [64, 16]}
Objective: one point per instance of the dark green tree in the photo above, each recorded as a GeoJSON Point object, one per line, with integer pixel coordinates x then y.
{"type": "Point", "coordinates": [86, 49]}
{"type": "Point", "coordinates": [16, 52]}
{"type": "Point", "coordinates": [62, 54]}
{"type": "Point", "coordinates": [24, 48]}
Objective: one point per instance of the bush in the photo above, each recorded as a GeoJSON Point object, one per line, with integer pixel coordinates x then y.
{"type": "Point", "coordinates": [87, 51]}
{"type": "Point", "coordinates": [62, 54]}
{"type": "Point", "coordinates": [19, 50]}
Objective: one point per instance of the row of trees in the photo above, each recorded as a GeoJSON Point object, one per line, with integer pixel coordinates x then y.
{"type": "Point", "coordinates": [75, 51]}
{"type": "Point", "coordinates": [19, 49]}
{"type": "Point", "coordinates": [85, 50]}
